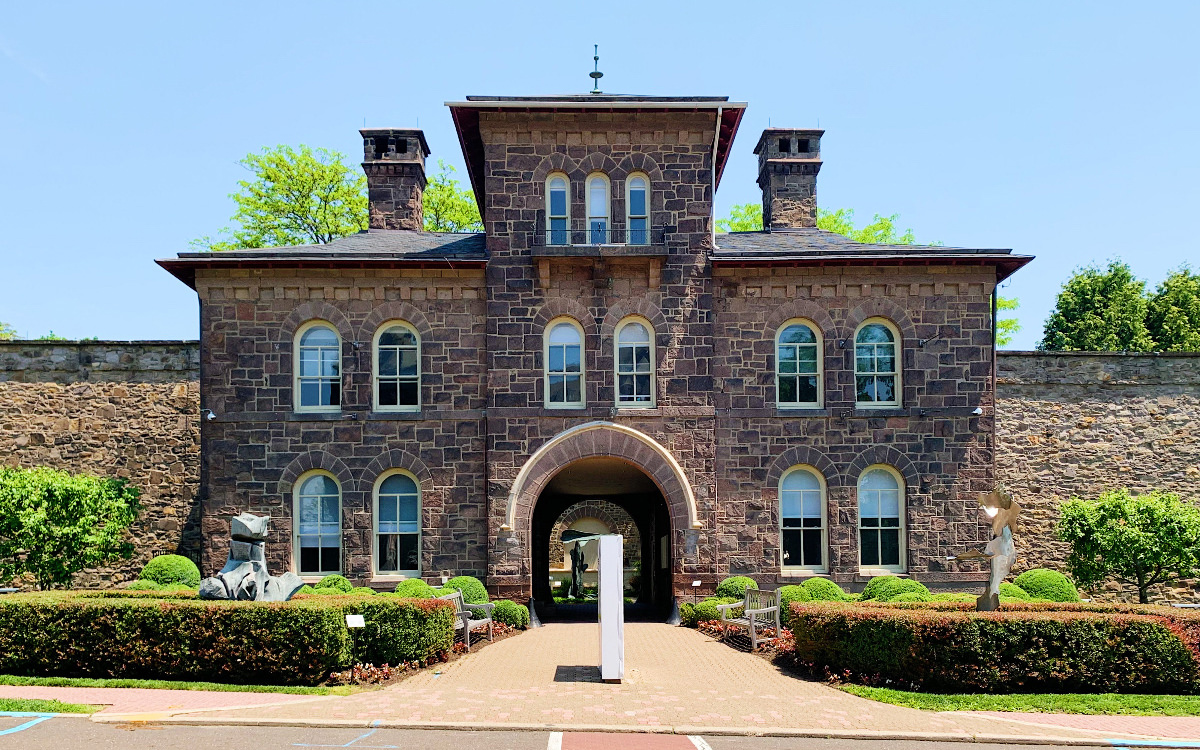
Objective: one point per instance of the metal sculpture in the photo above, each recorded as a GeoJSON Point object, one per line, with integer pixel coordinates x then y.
{"type": "Point", "coordinates": [1000, 551]}
{"type": "Point", "coordinates": [245, 576]}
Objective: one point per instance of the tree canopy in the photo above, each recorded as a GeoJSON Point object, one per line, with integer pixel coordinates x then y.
{"type": "Point", "coordinates": [1173, 313]}
{"type": "Point", "coordinates": [1142, 540]}
{"type": "Point", "coordinates": [1100, 310]}
{"type": "Point", "coordinates": [299, 196]}
{"type": "Point", "coordinates": [7, 332]}
{"type": "Point", "coordinates": [449, 208]}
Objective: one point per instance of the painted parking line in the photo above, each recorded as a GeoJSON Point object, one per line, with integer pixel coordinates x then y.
{"type": "Point", "coordinates": [1154, 743]}
{"type": "Point", "coordinates": [352, 743]}
{"type": "Point", "coordinates": [34, 720]}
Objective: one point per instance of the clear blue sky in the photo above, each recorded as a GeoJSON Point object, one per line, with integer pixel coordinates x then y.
{"type": "Point", "coordinates": [1065, 130]}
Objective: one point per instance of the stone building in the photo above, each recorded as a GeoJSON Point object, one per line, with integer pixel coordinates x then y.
{"type": "Point", "coordinates": [783, 403]}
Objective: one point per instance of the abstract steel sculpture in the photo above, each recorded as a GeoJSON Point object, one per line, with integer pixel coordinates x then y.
{"type": "Point", "coordinates": [1000, 551]}
{"type": "Point", "coordinates": [245, 576]}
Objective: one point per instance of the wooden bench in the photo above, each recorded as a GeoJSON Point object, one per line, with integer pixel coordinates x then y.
{"type": "Point", "coordinates": [760, 609]}
{"type": "Point", "coordinates": [463, 621]}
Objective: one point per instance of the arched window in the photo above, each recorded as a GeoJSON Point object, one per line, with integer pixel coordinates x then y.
{"type": "Point", "coordinates": [802, 516]}
{"type": "Point", "coordinates": [798, 366]}
{"type": "Point", "coordinates": [398, 525]}
{"type": "Point", "coordinates": [881, 519]}
{"type": "Point", "coordinates": [558, 210]}
{"type": "Point", "coordinates": [318, 368]}
{"type": "Point", "coordinates": [318, 525]}
{"type": "Point", "coordinates": [635, 363]}
{"type": "Point", "coordinates": [564, 364]}
{"type": "Point", "coordinates": [597, 206]}
{"type": "Point", "coordinates": [397, 367]}
{"type": "Point", "coordinates": [637, 206]}
{"type": "Point", "coordinates": [877, 364]}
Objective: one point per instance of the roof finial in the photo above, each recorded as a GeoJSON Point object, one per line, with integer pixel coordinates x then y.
{"type": "Point", "coordinates": [596, 75]}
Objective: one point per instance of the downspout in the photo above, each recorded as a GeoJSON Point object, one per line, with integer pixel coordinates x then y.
{"type": "Point", "coordinates": [995, 370]}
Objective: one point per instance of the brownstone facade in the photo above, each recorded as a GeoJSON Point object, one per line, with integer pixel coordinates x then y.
{"type": "Point", "coordinates": [701, 459]}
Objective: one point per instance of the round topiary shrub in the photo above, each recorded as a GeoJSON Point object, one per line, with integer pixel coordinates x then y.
{"type": "Point", "coordinates": [473, 590]}
{"type": "Point", "coordinates": [305, 589]}
{"type": "Point", "coordinates": [362, 591]}
{"type": "Point", "coordinates": [414, 588]}
{"type": "Point", "coordinates": [168, 569]}
{"type": "Point", "coordinates": [1013, 591]}
{"type": "Point", "coordinates": [911, 596]}
{"type": "Point", "coordinates": [823, 590]}
{"type": "Point", "coordinates": [735, 587]}
{"type": "Point", "coordinates": [788, 595]}
{"type": "Point", "coordinates": [336, 582]}
{"type": "Point", "coordinates": [1043, 583]}
{"type": "Point", "coordinates": [887, 588]}
{"type": "Point", "coordinates": [143, 585]}
{"type": "Point", "coordinates": [510, 613]}
{"type": "Point", "coordinates": [693, 614]}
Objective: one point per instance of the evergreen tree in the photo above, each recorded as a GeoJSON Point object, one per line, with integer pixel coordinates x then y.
{"type": "Point", "coordinates": [1100, 310]}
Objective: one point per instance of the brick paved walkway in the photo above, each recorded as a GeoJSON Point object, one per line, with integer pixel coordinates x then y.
{"type": "Point", "coordinates": [675, 678]}
{"type": "Point", "coordinates": [142, 700]}
{"type": "Point", "coordinates": [1174, 727]}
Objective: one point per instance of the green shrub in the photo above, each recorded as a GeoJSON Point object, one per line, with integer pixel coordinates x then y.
{"type": "Point", "coordinates": [176, 587]}
{"type": "Point", "coordinates": [1027, 648]}
{"type": "Point", "coordinates": [168, 569]}
{"type": "Point", "coordinates": [146, 636]}
{"type": "Point", "coordinates": [336, 582]}
{"type": "Point", "coordinates": [706, 610]}
{"type": "Point", "coordinates": [414, 588]}
{"type": "Point", "coordinates": [823, 590]}
{"type": "Point", "coordinates": [362, 591]}
{"type": "Point", "coordinates": [141, 585]}
{"type": "Point", "coordinates": [735, 587]}
{"type": "Point", "coordinates": [511, 613]}
{"type": "Point", "coordinates": [887, 588]}
{"type": "Point", "coordinates": [305, 589]}
{"type": "Point", "coordinates": [1042, 583]}
{"type": "Point", "coordinates": [912, 596]}
{"type": "Point", "coordinates": [953, 596]}
{"type": "Point", "coordinates": [1013, 591]}
{"type": "Point", "coordinates": [473, 590]}
{"type": "Point", "coordinates": [787, 595]}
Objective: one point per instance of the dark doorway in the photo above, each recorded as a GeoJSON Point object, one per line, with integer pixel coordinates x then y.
{"type": "Point", "coordinates": [580, 493]}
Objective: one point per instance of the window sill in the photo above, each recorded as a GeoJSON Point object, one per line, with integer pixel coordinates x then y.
{"type": "Point", "coordinates": [311, 579]}
{"type": "Point", "coordinates": [802, 411]}
{"type": "Point", "coordinates": [880, 411]}
{"type": "Point", "coordinates": [873, 572]}
{"type": "Point", "coordinates": [565, 407]}
{"type": "Point", "coordinates": [635, 411]}
{"type": "Point", "coordinates": [393, 577]}
{"type": "Point", "coordinates": [802, 573]}
{"type": "Point", "coordinates": [383, 416]}
{"type": "Point", "coordinates": [315, 416]}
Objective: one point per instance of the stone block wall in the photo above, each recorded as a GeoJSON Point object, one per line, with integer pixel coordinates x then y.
{"type": "Point", "coordinates": [1081, 423]}
{"type": "Point", "coordinates": [111, 408]}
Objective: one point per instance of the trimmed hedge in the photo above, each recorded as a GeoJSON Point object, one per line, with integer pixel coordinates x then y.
{"type": "Point", "coordinates": [473, 590]}
{"type": "Point", "coordinates": [178, 637]}
{"type": "Point", "coordinates": [1043, 583]}
{"type": "Point", "coordinates": [691, 615]}
{"type": "Point", "coordinates": [735, 587]}
{"type": "Point", "coordinates": [887, 588]}
{"type": "Point", "coordinates": [510, 613]}
{"type": "Point", "coordinates": [1022, 648]}
{"type": "Point", "coordinates": [171, 569]}
{"type": "Point", "coordinates": [823, 590]}
{"type": "Point", "coordinates": [414, 588]}
{"type": "Point", "coordinates": [787, 596]}
{"type": "Point", "coordinates": [1013, 591]}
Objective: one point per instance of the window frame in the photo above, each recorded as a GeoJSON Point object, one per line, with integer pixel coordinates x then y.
{"type": "Point", "coordinates": [898, 342]}
{"type": "Point", "coordinates": [296, 494]}
{"type": "Point", "coordinates": [550, 178]}
{"type": "Point", "coordinates": [588, 204]}
{"type": "Point", "coordinates": [820, 345]}
{"type": "Point", "coordinates": [902, 528]}
{"type": "Point", "coordinates": [621, 326]}
{"type": "Point", "coordinates": [823, 568]}
{"type": "Point", "coordinates": [297, 403]}
{"type": "Point", "coordinates": [630, 217]}
{"type": "Point", "coordinates": [382, 329]}
{"type": "Point", "coordinates": [582, 403]}
{"type": "Point", "coordinates": [395, 574]}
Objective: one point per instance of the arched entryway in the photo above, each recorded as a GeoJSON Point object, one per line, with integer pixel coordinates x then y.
{"type": "Point", "coordinates": [605, 495]}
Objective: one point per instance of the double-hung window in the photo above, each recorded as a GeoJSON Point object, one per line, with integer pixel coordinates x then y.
{"type": "Point", "coordinates": [564, 365]}
{"type": "Point", "coordinates": [635, 364]}
{"type": "Point", "coordinates": [397, 368]}
{"type": "Point", "coordinates": [798, 366]}
{"type": "Point", "coordinates": [876, 364]}
{"type": "Point", "coordinates": [802, 516]}
{"type": "Point", "coordinates": [597, 206]}
{"type": "Point", "coordinates": [638, 207]}
{"type": "Point", "coordinates": [318, 369]}
{"type": "Point", "coordinates": [398, 525]}
{"type": "Point", "coordinates": [318, 530]}
{"type": "Point", "coordinates": [880, 519]}
{"type": "Point", "coordinates": [558, 211]}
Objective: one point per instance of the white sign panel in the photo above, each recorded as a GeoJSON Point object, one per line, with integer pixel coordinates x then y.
{"type": "Point", "coordinates": [611, 607]}
{"type": "Point", "coordinates": [355, 621]}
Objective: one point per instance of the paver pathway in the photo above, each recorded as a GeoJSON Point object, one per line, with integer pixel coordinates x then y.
{"type": "Point", "coordinates": [675, 677]}
{"type": "Point", "coordinates": [144, 700]}
{"type": "Point", "coordinates": [1174, 727]}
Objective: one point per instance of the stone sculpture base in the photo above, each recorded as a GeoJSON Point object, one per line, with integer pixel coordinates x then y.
{"type": "Point", "coordinates": [987, 603]}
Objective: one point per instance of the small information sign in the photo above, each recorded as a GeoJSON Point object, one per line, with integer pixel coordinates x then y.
{"type": "Point", "coordinates": [355, 621]}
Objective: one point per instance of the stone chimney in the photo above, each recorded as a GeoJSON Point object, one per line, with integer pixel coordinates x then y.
{"type": "Point", "coordinates": [394, 161]}
{"type": "Point", "coordinates": [788, 163]}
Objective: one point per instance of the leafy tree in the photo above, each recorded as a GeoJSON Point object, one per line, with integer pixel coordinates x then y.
{"type": "Point", "coordinates": [1100, 311]}
{"type": "Point", "coordinates": [1142, 540]}
{"type": "Point", "coordinates": [449, 208]}
{"type": "Point", "coordinates": [296, 197]}
{"type": "Point", "coordinates": [1006, 327]}
{"type": "Point", "coordinates": [7, 332]}
{"type": "Point", "coordinates": [1173, 314]}
{"type": "Point", "coordinates": [743, 217]}
{"type": "Point", "coordinates": [53, 524]}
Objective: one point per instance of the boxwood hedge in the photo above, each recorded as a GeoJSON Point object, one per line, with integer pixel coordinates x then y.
{"type": "Point", "coordinates": [151, 636]}
{"type": "Point", "coordinates": [948, 647]}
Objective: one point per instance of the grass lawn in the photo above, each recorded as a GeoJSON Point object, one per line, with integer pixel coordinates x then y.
{"type": "Point", "coordinates": [169, 685]}
{"type": "Point", "coordinates": [1046, 703]}
{"type": "Point", "coordinates": [29, 705]}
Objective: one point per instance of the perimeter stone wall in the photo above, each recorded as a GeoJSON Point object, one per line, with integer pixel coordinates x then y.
{"type": "Point", "coordinates": [111, 408]}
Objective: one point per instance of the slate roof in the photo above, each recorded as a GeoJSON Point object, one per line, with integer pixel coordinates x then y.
{"type": "Point", "coordinates": [812, 246]}
{"type": "Point", "coordinates": [374, 248]}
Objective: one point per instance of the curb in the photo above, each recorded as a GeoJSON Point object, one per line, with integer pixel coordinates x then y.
{"type": "Point", "coordinates": [1011, 739]}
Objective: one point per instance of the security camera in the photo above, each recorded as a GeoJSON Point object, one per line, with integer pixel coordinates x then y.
{"type": "Point", "coordinates": [977, 411]}
{"type": "Point", "coordinates": [208, 414]}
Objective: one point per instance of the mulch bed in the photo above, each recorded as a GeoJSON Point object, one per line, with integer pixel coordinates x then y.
{"type": "Point", "coordinates": [370, 677]}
